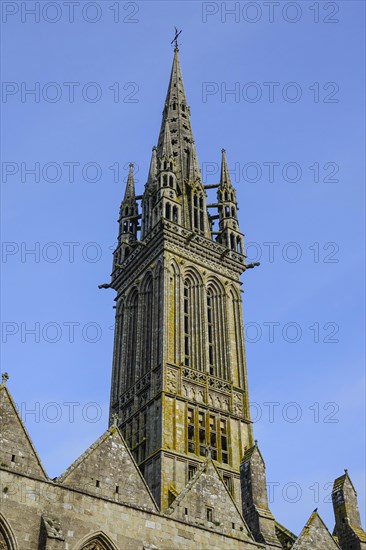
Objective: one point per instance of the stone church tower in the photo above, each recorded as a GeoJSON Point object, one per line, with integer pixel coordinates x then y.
{"type": "Point", "coordinates": [179, 384]}
{"type": "Point", "coordinates": [177, 468]}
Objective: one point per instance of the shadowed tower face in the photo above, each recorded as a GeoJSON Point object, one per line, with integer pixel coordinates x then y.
{"type": "Point", "coordinates": [179, 382]}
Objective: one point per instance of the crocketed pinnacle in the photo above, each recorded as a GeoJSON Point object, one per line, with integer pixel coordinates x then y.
{"type": "Point", "coordinates": [152, 169]}
{"type": "Point", "coordinates": [225, 180]}
{"type": "Point", "coordinates": [130, 186]}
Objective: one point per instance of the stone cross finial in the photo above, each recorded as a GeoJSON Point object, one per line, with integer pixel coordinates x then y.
{"type": "Point", "coordinates": [4, 378]}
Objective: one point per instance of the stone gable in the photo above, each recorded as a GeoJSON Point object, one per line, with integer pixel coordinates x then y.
{"type": "Point", "coordinates": [16, 449]}
{"type": "Point", "coordinates": [315, 536]}
{"type": "Point", "coordinates": [206, 502]}
{"type": "Point", "coordinates": [108, 470]}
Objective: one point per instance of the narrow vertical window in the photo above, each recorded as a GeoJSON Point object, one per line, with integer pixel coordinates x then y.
{"type": "Point", "coordinates": [191, 432]}
{"type": "Point", "coordinates": [192, 469]}
{"type": "Point", "coordinates": [224, 442]}
{"type": "Point", "coordinates": [192, 323]}
{"type": "Point", "coordinates": [239, 247]}
{"type": "Point", "coordinates": [167, 211]}
{"type": "Point", "coordinates": [201, 216]}
{"type": "Point", "coordinates": [147, 326]}
{"type": "Point", "coordinates": [131, 339]}
{"type": "Point", "coordinates": [232, 242]}
{"type": "Point", "coordinates": [202, 432]}
{"type": "Point", "coordinates": [187, 326]}
{"type": "Point", "coordinates": [175, 214]}
{"type": "Point", "coordinates": [228, 480]}
{"type": "Point", "coordinates": [198, 220]}
{"type": "Point", "coordinates": [216, 330]}
{"type": "Point", "coordinates": [210, 330]}
{"type": "Point", "coordinates": [195, 212]}
{"type": "Point", "coordinates": [213, 436]}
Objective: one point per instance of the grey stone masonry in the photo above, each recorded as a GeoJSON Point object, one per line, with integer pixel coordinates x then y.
{"type": "Point", "coordinates": [348, 528]}
{"type": "Point", "coordinates": [315, 536]}
{"type": "Point", "coordinates": [101, 502]}
{"type": "Point", "coordinates": [254, 498]}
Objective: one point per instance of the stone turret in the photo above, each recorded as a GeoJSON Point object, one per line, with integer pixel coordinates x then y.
{"type": "Point", "coordinates": [229, 234]}
{"type": "Point", "coordinates": [256, 511]}
{"type": "Point", "coordinates": [348, 528]}
{"type": "Point", "coordinates": [128, 221]}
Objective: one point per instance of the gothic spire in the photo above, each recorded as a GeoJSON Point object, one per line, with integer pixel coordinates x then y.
{"type": "Point", "coordinates": [130, 186]}
{"type": "Point", "coordinates": [153, 168]}
{"type": "Point", "coordinates": [225, 180]}
{"type": "Point", "coordinates": [128, 218]}
{"type": "Point", "coordinates": [176, 116]}
{"type": "Point", "coordinates": [167, 150]}
{"type": "Point", "coordinates": [229, 234]}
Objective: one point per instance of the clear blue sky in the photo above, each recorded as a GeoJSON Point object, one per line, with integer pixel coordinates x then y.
{"type": "Point", "coordinates": [314, 199]}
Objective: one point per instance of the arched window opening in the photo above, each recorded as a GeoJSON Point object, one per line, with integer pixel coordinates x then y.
{"type": "Point", "coordinates": [202, 223]}
{"type": "Point", "coordinates": [195, 212]}
{"type": "Point", "coordinates": [188, 159]}
{"type": "Point", "coordinates": [232, 242]}
{"type": "Point", "coordinates": [6, 539]}
{"type": "Point", "coordinates": [210, 328]}
{"type": "Point", "coordinates": [125, 227]}
{"type": "Point", "coordinates": [97, 543]}
{"type": "Point", "coordinates": [198, 214]}
{"type": "Point", "coordinates": [216, 331]}
{"type": "Point", "coordinates": [171, 181]}
{"type": "Point", "coordinates": [183, 107]}
{"type": "Point", "coordinates": [226, 196]}
{"type": "Point", "coordinates": [167, 211]}
{"type": "Point", "coordinates": [174, 314]}
{"type": "Point", "coordinates": [132, 317]}
{"type": "Point", "coordinates": [159, 315]}
{"type": "Point", "coordinates": [126, 211]}
{"type": "Point", "coordinates": [233, 214]}
{"type": "Point", "coordinates": [239, 246]}
{"type": "Point", "coordinates": [175, 214]}
{"type": "Point", "coordinates": [187, 325]}
{"type": "Point", "coordinates": [118, 349]}
{"type": "Point", "coordinates": [165, 180]}
{"type": "Point", "coordinates": [147, 327]}
{"type": "Point", "coordinates": [227, 211]}
{"type": "Point", "coordinates": [3, 543]}
{"type": "Point", "coordinates": [174, 106]}
{"type": "Point", "coordinates": [192, 321]}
